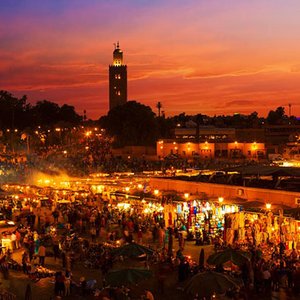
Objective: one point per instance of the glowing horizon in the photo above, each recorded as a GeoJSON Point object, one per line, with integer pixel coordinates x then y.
{"type": "Point", "coordinates": [207, 57]}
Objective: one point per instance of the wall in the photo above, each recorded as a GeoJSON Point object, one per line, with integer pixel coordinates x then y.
{"type": "Point", "coordinates": [136, 151]}
{"type": "Point", "coordinates": [227, 191]}
{"type": "Point", "coordinates": [251, 151]}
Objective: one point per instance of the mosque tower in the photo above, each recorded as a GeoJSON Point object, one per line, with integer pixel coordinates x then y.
{"type": "Point", "coordinates": [117, 79]}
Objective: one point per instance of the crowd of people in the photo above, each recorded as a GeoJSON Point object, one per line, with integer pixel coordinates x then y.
{"type": "Point", "coordinates": [74, 232]}
{"type": "Point", "coordinates": [86, 232]}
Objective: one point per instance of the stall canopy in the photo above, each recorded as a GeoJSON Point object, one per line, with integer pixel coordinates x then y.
{"type": "Point", "coordinates": [265, 171]}
{"type": "Point", "coordinates": [127, 276]}
{"type": "Point", "coordinates": [236, 256]}
{"type": "Point", "coordinates": [209, 283]}
{"type": "Point", "coordinates": [133, 250]}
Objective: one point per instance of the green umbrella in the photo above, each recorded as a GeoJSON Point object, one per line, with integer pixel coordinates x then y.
{"type": "Point", "coordinates": [237, 257]}
{"type": "Point", "coordinates": [208, 283]}
{"type": "Point", "coordinates": [127, 276]}
{"type": "Point", "coordinates": [133, 250]}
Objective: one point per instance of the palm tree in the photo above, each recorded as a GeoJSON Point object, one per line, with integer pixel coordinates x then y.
{"type": "Point", "coordinates": [158, 106]}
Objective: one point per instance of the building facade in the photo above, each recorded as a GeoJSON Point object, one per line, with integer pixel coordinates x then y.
{"type": "Point", "coordinates": [205, 133]}
{"type": "Point", "coordinates": [210, 150]}
{"type": "Point", "coordinates": [117, 79]}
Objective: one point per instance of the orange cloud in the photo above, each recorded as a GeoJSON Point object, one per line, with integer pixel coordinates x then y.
{"type": "Point", "coordinates": [193, 56]}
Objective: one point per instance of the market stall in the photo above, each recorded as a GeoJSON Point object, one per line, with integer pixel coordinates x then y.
{"type": "Point", "coordinates": [205, 216]}
{"type": "Point", "coordinates": [260, 228]}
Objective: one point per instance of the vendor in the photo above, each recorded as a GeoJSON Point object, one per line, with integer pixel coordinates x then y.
{"type": "Point", "coordinates": [6, 241]}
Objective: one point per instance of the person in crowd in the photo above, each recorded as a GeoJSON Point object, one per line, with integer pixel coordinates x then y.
{"type": "Point", "coordinates": [13, 239]}
{"type": "Point", "coordinates": [140, 236]}
{"type": "Point", "coordinates": [31, 248]}
{"type": "Point", "coordinates": [266, 275]}
{"type": "Point", "coordinates": [55, 215]}
{"type": "Point", "coordinates": [42, 254]}
{"type": "Point", "coordinates": [68, 284]}
{"type": "Point", "coordinates": [83, 285]}
{"type": "Point", "coordinates": [18, 239]}
{"type": "Point", "coordinates": [93, 234]}
{"type": "Point", "coordinates": [25, 262]}
{"type": "Point", "coordinates": [55, 242]}
{"type": "Point", "coordinates": [181, 241]}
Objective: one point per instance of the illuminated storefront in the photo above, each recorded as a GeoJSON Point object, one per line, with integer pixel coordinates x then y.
{"type": "Point", "coordinates": [203, 215]}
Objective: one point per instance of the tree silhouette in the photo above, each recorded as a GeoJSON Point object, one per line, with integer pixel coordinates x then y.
{"type": "Point", "coordinates": [277, 117]}
{"type": "Point", "coordinates": [131, 124]}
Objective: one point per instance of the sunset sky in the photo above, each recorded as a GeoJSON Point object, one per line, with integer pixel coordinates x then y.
{"type": "Point", "coordinates": [194, 56]}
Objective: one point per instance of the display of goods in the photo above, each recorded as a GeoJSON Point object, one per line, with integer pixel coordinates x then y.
{"type": "Point", "coordinates": [14, 265]}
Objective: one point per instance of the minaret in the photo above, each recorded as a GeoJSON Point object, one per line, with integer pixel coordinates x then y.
{"type": "Point", "coordinates": [117, 79]}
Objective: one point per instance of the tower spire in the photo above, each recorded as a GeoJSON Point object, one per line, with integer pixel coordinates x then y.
{"type": "Point", "coordinates": [117, 79]}
{"type": "Point", "coordinates": [117, 55]}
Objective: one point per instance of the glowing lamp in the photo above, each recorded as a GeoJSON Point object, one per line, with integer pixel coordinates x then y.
{"type": "Point", "coordinates": [156, 192]}
{"type": "Point", "coordinates": [221, 199]}
{"type": "Point", "coordinates": [268, 206]}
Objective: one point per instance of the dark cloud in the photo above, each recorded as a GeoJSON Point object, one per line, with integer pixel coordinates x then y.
{"type": "Point", "coordinates": [240, 103]}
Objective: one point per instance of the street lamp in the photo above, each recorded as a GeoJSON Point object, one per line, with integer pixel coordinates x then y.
{"type": "Point", "coordinates": [268, 206]}
{"type": "Point", "coordinates": [186, 195]}
{"type": "Point", "coordinates": [221, 199]}
{"type": "Point", "coordinates": [156, 192]}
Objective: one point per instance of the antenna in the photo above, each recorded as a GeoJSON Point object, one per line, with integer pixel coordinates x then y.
{"type": "Point", "coordinates": [290, 109]}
